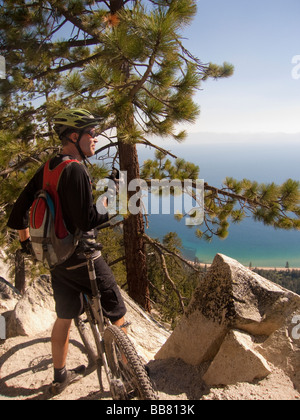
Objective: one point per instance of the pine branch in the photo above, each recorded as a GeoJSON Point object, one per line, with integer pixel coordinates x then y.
{"type": "Point", "coordinates": [108, 146]}
{"type": "Point", "coordinates": [70, 66]}
{"type": "Point", "coordinates": [217, 192]}
{"type": "Point", "coordinates": [152, 242]}
{"type": "Point", "coordinates": [147, 73]}
{"type": "Point", "coordinates": [76, 21]}
{"type": "Point", "coordinates": [234, 196]}
{"type": "Point", "coordinates": [40, 46]}
{"type": "Point", "coordinates": [160, 149]}
{"type": "Point", "coordinates": [36, 157]}
{"type": "Point", "coordinates": [116, 261]}
{"type": "Point", "coordinates": [158, 248]}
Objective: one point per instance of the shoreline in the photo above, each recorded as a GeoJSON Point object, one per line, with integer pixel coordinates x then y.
{"type": "Point", "coordinates": [276, 269]}
{"type": "Point", "coordinates": [203, 265]}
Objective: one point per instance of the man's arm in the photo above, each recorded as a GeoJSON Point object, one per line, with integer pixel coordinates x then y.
{"type": "Point", "coordinates": [77, 200]}
{"type": "Point", "coordinates": [18, 219]}
{"type": "Point", "coordinates": [24, 235]}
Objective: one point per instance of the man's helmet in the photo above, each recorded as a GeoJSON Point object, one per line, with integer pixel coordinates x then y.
{"type": "Point", "coordinates": [78, 118]}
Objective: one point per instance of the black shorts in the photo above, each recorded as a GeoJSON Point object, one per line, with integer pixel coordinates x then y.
{"type": "Point", "coordinates": [69, 285]}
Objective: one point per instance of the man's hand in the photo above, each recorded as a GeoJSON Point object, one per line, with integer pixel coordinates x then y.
{"type": "Point", "coordinates": [25, 242]}
{"type": "Point", "coordinates": [27, 247]}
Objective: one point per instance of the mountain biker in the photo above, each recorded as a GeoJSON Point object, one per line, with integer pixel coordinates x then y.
{"type": "Point", "coordinates": [76, 130]}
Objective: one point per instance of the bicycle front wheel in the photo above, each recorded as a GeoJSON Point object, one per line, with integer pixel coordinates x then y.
{"type": "Point", "coordinates": [126, 365]}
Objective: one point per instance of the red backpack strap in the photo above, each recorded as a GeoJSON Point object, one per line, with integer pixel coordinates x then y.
{"type": "Point", "coordinates": [51, 177]}
{"type": "Point", "coordinates": [50, 184]}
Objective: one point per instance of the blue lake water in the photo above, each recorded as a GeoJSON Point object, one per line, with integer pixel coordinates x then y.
{"type": "Point", "coordinates": [264, 158]}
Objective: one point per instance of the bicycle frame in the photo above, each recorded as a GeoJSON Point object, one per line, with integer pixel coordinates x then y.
{"type": "Point", "coordinates": [95, 300]}
{"type": "Point", "coordinates": [93, 309]}
{"type": "Point", "coordinates": [125, 372]}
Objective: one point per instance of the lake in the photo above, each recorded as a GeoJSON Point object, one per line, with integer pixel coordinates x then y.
{"type": "Point", "coordinates": [265, 158]}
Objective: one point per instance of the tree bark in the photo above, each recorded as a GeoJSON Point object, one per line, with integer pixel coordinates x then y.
{"type": "Point", "coordinates": [116, 5]}
{"type": "Point", "coordinates": [134, 243]}
{"type": "Point", "coordinates": [20, 278]}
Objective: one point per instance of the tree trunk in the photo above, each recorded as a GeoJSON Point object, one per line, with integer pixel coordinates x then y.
{"type": "Point", "coordinates": [115, 5]}
{"type": "Point", "coordinates": [20, 278]}
{"type": "Point", "coordinates": [135, 247]}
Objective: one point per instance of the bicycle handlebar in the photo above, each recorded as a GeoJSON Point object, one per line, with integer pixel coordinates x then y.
{"type": "Point", "coordinates": [113, 222]}
{"type": "Point", "coordinates": [104, 226]}
{"type": "Point", "coordinates": [88, 246]}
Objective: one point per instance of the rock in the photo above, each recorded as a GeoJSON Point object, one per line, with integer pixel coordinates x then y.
{"type": "Point", "coordinates": [35, 311]}
{"type": "Point", "coordinates": [282, 348]}
{"type": "Point", "coordinates": [4, 268]}
{"type": "Point", "coordinates": [237, 361]}
{"type": "Point", "coordinates": [9, 296]}
{"type": "Point", "coordinates": [232, 297]}
{"type": "Point", "coordinates": [145, 332]}
{"type": "Point", "coordinates": [196, 339]}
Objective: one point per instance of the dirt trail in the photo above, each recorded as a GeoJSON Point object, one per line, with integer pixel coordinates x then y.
{"type": "Point", "coordinates": [26, 372]}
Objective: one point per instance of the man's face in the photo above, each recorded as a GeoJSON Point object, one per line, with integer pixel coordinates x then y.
{"type": "Point", "coordinates": [88, 142]}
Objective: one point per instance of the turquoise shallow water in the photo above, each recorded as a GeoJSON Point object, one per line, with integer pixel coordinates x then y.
{"type": "Point", "coordinates": [247, 242]}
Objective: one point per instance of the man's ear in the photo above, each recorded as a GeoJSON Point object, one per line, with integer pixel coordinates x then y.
{"type": "Point", "coordinates": [74, 137]}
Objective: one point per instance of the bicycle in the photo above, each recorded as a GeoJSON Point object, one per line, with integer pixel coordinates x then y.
{"type": "Point", "coordinates": [112, 349]}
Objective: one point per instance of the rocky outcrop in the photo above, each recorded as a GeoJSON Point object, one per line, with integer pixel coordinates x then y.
{"type": "Point", "coordinates": [235, 321]}
{"type": "Point", "coordinates": [237, 361]}
{"type": "Point", "coordinates": [238, 327]}
{"type": "Point", "coordinates": [147, 334]}
{"type": "Point", "coordinates": [9, 296]}
{"type": "Point", "coordinates": [35, 311]}
{"type": "Point", "coordinates": [4, 267]}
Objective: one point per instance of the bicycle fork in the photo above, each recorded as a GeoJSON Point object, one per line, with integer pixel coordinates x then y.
{"type": "Point", "coordinates": [95, 295]}
{"type": "Point", "coordinates": [99, 323]}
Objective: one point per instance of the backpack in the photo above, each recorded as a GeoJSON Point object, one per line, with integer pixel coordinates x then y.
{"type": "Point", "coordinates": [51, 242]}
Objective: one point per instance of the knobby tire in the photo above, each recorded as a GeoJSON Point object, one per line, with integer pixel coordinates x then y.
{"type": "Point", "coordinates": [133, 374]}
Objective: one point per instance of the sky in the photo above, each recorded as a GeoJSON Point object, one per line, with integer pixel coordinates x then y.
{"type": "Point", "coordinates": [261, 38]}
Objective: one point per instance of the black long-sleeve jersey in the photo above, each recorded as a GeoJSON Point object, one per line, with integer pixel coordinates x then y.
{"type": "Point", "coordinates": [75, 194]}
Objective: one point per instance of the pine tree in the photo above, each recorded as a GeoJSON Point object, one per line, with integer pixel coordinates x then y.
{"type": "Point", "coordinates": [122, 60]}
{"type": "Point", "coordinates": [125, 61]}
